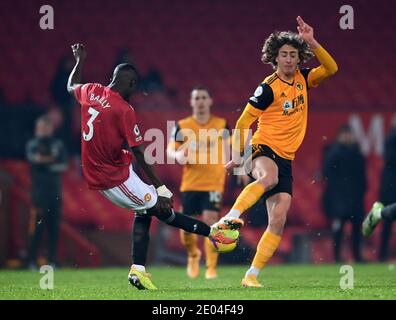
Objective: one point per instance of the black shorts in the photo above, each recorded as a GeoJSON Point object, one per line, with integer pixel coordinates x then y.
{"type": "Point", "coordinates": [285, 175]}
{"type": "Point", "coordinates": [195, 202]}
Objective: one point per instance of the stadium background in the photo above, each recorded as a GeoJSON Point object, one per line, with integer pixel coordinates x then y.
{"type": "Point", "coordinates": [216, 43]}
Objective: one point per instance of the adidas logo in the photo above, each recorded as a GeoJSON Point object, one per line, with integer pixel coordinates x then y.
{"type": "Point", "coordinates": [283, 95]}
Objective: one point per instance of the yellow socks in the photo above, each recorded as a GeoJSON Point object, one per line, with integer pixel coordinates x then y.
{"type": "Point", "coordinates": [268, 244]}
{"type": "Point", "coordinates": [211, 254]}
{"type": "Point", "coordinates": [248, 197]}
{"type": "Point", "coordinates": [190, 242]}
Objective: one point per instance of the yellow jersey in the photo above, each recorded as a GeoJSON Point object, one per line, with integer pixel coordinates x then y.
{"type": "Point", "coordinates": [204, 170]}
{"type": "Point", "coordinates": [282, 111]}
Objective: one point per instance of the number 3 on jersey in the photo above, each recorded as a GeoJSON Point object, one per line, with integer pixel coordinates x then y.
{"type": "Point", "coordinates": [88, 136]}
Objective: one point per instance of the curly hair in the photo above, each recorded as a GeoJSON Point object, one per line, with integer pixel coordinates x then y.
{"type": "Point", "coordinates": [279, 38]}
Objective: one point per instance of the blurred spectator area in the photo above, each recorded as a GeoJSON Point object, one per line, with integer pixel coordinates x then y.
{"type": "Point", "coordinates": [213, 42]}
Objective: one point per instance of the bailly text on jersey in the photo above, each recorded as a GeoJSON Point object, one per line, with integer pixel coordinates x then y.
{"type": "Point", "coordinates": [101, 100]}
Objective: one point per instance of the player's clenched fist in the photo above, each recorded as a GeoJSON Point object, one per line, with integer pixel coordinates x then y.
{"type": "Point", "coordinates": [79, 51]}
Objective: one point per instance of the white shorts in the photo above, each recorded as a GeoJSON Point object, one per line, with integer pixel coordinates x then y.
{"type": "Point", "coordinates": [133, 194]}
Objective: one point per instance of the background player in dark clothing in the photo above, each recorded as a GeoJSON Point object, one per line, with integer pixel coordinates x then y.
{"type": "Point", "coordinates": [47, 157]}
{"type": "Point", "coordinates": [343, 198]}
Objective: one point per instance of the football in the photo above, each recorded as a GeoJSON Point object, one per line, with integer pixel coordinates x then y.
{"type": "Point", "coordinates": [227, 247]}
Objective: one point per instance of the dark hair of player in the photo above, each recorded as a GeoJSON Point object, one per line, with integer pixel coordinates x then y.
{"type": "Point", "coordinates": [126, 68]}
{"type": "Point", "coordinates": [124, 80]}
{"type": "Point", "coordinates": [203, 88]}
{"type": "Point", "coordinates": [279, 38]}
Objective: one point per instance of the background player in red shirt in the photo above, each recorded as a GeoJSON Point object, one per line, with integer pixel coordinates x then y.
{"type": "Point", "coordinates": [108, 122]}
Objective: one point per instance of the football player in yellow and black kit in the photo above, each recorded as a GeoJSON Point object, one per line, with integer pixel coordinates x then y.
{"type": "Point", "coordinates": [280, 104]}
{"type": "Point", "coordinates": [198, 142]}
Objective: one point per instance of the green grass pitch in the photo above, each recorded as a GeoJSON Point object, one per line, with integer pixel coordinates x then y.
{"type": "Point", "coordinates": [371, 281]}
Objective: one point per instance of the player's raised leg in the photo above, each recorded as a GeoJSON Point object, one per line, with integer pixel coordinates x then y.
{"type": "Point", "coordinates": [265, 171]}
{"type": "Point", "coordinates": [143, 199]}
{"type": "Point", "coordinates": [181, 221]}
{"type": "Point", "coordinates": [277, 207]}
{"type": "Point", "coordinates": [372, 219]}
{"type": "Point", "coordinates": [377, 213]}
{"type": "Point", "coordinates": [389, 212]}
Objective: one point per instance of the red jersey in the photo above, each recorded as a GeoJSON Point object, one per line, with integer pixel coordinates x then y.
{"type": "Point", "coordinates": [107, 123]}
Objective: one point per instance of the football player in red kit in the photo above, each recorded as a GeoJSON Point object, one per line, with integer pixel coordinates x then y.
{"type": "Point", "coordinates": [108, 122]}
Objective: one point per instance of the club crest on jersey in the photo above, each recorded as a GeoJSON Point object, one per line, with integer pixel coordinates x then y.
{"type": "Point", "coordinates": [137, 133]}
{"type": "Point", "coordinates": [299, 86]}
{"type": "Point", "coordinates": [147, 197]}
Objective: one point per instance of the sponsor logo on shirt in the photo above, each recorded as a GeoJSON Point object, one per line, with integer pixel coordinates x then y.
{"type": "Point", "coordinates": [296, 105]}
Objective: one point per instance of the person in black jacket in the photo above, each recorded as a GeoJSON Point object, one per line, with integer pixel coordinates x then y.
{"type": "Point", "coordinates": [345, 176]}
{"type": "Point", "coordinates": [47, 158]}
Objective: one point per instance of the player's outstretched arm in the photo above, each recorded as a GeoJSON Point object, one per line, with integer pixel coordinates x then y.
{"type": "Point", "coordinates": [328, 66]}
{"type": "Point", "coordinates": [164, 194]}
{"type": "Point", "coordinates": [148, 169]}
{"type": "Point", "coordinates": [76, 74]}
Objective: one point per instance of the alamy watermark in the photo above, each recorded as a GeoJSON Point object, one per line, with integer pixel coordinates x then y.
{"type": "Point", "coordinates": [347, 21]}
{"type": "Point", "coordinates": [347, 279]}
{"type": "Point", "coordinates": [47, 19]}
{"type": "Point", "coordinates": [205, 146]}
{"type": "Point", "coordinates": [47, 280]}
